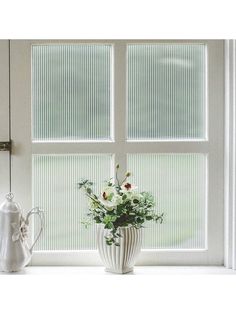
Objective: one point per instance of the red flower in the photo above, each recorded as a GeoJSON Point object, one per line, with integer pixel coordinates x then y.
{"type": "Point", "coordinates": [127, 186]}
{"type": "Point", "coordinates": [104, 195]}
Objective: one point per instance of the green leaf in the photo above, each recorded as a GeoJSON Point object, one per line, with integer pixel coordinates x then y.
{"type": "Point", "coordinates": [97, 219]}
{"type": "Point", "coordinates": [110, 196]}
{"type": "Point", "coordinates": [109, 225]}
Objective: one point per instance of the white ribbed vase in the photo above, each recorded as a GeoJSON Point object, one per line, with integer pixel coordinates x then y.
{"type": "Point", "coordinates": [120, 259]}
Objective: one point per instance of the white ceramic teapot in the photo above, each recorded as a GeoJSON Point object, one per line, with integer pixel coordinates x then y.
{"type": "Point", "coordinates": [15, 253]}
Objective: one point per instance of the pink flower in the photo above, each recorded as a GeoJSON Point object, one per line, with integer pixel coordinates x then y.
{"type": "Point", "coordinates": [128, 187]}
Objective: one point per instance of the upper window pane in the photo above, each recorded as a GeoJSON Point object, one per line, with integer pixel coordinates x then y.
{"type": "Point", "coordinates": [71, 92]}
{"type": "Point", "coordinates": [166, 91]}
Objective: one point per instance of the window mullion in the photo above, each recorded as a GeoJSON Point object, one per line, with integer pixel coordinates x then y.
{"type": "Point", "coordinates": [120, 105]}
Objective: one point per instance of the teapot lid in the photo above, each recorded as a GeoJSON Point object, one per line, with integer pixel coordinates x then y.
{"type": "Point", "coordinates": [9, 204]}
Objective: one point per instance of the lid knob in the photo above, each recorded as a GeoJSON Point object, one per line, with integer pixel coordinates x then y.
{"type": "Point", "coordinates": [9, 196]}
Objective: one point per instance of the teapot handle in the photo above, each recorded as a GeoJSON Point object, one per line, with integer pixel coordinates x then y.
{"type": "Point", "coordinates": [40, 213]}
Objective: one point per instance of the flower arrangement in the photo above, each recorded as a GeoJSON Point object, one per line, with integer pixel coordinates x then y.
{"type": "Point", "coordinates": [119, 205]}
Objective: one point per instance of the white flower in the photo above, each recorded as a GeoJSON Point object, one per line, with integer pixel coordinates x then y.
{"type": "Point", "coordinates": [108, 204]}
{"type": "Point", "coordinates": [135, 196]}
{"type": "Point", "coordinates": [108, 192]}
{"type": "Point", "coordinates": [117, 199]}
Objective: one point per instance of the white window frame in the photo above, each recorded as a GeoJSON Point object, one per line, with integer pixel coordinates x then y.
{"type": "Point", "coordinates": [20, 72]}
{"type": "Point", "coordinates": [4, 115]}
{"type": "Point", "coordinates": [230, 155]}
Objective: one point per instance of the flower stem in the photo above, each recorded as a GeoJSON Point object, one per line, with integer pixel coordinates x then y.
{"type": "Point", "coordinates": [96, 201]}
{"type": "Point", "coordinates": [117, 177]}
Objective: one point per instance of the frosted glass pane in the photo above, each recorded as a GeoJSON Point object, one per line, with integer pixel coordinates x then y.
{"type": "Point", "coordinates": [71, 92]}
{"type": "Point", "coordinates": [178, 183]}
{"type": "Point", "coordinates": [166, 91]}
{"type": "Point", "coordinates": [55, 179]}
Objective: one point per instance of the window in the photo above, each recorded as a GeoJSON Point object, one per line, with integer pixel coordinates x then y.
{"type": "Point", "coordinates": [154, 107]}
{"type": "Point", "coordinates": [71, 93]}
{"type": "Point", "coordinates": [166, 91]}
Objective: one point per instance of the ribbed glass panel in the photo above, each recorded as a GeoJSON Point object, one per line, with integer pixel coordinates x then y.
{"type": "Point", "coordinates": [71, 92]}
{"type": "Point", "coordinates": [178, 183]}
{"type": "Point", "coordinates": [166, 91]}
{"type": "Point", "coordinates": [55, 179]}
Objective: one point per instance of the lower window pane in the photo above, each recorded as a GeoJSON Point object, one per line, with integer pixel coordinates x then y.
{"type": "Point", "coordinates": [178, 183]}
{"type": "Point", "coordinates": [55, 190]}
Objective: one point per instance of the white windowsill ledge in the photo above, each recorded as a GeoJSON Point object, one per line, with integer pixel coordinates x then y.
{"type": "Point", "coordinates": [138, 271]}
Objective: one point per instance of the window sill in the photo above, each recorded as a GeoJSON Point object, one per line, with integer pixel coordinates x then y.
{"type": "Point", "coordinates": [138, 271]}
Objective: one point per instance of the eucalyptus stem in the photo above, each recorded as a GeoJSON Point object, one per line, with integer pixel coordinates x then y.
{"type": "Point", "coordinates": [124, 180]}
{"type": "Point", "coordinates": [117, 180]}
{"type": "Point", "coordinates": [96, 201]}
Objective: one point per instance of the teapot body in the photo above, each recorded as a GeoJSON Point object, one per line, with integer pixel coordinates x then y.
{"type": "Point", "coordinates": [15, 253]}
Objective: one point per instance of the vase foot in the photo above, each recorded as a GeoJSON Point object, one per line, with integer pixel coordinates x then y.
{"type": "Point", "coordinates": [119, 271]}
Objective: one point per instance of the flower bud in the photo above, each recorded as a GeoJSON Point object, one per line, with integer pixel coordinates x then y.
{"type": "Point", "coordinates": [117, 166]}
{"type": "Point", "coordinates": [128, 174]}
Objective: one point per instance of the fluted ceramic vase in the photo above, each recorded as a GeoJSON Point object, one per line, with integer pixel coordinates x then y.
{"type": "Point", "coordinates": [120, 259]}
